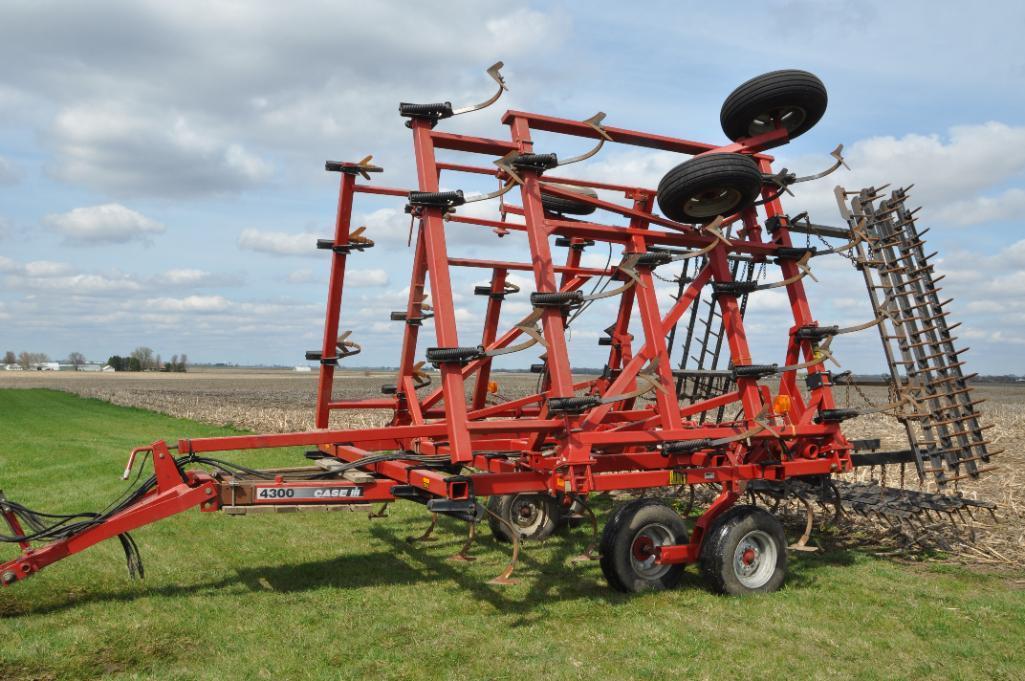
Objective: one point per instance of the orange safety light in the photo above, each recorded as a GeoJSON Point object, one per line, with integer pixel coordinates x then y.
{"type": "Point", "coordinates": [781, 405]}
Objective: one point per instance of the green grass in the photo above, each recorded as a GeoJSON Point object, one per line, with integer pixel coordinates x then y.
{"type": "Point", "coordinates": [337, 596]}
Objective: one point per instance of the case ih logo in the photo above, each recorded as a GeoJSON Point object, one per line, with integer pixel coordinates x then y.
{"type": "Point", "coordinates": [273, 494]}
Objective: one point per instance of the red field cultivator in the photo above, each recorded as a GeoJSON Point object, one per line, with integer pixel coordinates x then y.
{"type": "Point", "coordinates": [711, 418]}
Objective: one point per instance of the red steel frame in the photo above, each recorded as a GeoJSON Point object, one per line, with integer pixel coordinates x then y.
{"type": "Point", "coordinates": [613, 446]}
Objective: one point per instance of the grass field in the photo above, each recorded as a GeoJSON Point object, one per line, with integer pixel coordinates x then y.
{"type": "Point", "coordinates": [337, 596]}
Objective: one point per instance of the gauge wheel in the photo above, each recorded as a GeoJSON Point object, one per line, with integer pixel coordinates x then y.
{"type": "Point", "coordinates": [705, 187]}
{"type": "Point", "coordinates": [534, 516]}
{"type": "Point", "coordinates": [744, 552]}
{"type": "Point", "coordinates": [630, 542]}
{"type": "Point", "coordinates": [793, 99]}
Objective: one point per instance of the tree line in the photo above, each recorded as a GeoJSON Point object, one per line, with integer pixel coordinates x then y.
{"type": "Point", "coordinates": [144, 359]}
{"type": "Point", "coordinates": [25, 359]}
{"type": "Point", "coordinates": [140, 359]}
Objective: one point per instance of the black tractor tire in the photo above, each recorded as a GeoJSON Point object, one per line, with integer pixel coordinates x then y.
{"type": "Point", "coordinates": [704, 187]}
{"type": "Point", "coordinates": [744, 552]}
{"type": "Point", "coordinates": [564, 206]}
{"type": "Point", "coordinates": [627, 559]}
{"type": "Point", "coordinates": [535, 516]}
{"type": "Point", "coordinates": [605, 548]}
{"type": "Point", "coordinates": [797, 98]}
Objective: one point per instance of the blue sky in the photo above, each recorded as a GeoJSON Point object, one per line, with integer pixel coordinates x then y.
{"type": "Point", "coordinates": [161, 175]}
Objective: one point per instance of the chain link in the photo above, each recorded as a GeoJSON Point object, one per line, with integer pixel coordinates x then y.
{"type": "Point", "coordinates": [844, 254]}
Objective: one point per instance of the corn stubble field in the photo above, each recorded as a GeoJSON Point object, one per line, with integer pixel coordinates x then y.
{"type": "Point", "coordinates": [282, 400]}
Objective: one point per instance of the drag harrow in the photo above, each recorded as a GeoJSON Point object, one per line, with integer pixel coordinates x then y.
{"type": "Point", "coordinates": [713, 419]}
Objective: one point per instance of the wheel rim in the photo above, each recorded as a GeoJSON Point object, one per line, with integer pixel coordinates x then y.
{"type": "Point", "coordinates": [791, 117]}
{"type": "Point", "coordinates": [754, 560]}
{"type": "Point", "coordinates": [527, 513]}
{"type": "Point", "coordinates": [643, 551]}
{"type": "Point", "coordinates": [717, 201]}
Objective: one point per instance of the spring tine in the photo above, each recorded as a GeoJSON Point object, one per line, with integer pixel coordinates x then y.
{"type": "Point", "coordinates": [505, 578]}
{"type": "Point", "coordinates": [495, 71]}
{"type": "Point", "coordinates": [588, 554]}
{"type": "Point", "coordinates": [463, 554]}
{"type": "Point", "coordinates": [428, 533]}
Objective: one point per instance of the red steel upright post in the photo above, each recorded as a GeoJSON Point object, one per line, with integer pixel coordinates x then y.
{"type": "Point", "coordinates": [798, 304]}
{"type": "Point", "coordinates": [441, 294]}
{"type": "Point", "coordinates": [544, 270]}
{"type": "Point", "coordinates": [414, 309]}
{"type": "Point", "coordinates": [334, 300]}
{"type": "Point", "coordinates": [480, 389]}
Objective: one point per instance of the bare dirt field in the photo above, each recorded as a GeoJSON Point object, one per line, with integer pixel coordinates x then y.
{"type": "Point", "coordinates": [282, 400]}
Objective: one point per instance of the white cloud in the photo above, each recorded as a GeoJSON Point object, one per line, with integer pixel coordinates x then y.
{"type": "Point", "coordinates": [971, 158]}
{"type": "Point", "coordinates": [189, 304]}
{"type": "Point", "coordinates": [46, 268]}
{"type": "Point", "coordinates": [985, 209]}
{"type": "Point", "coordinates": [106, 224]}
{"type": "Point", "coordinates": [643, 168]}
{"type": "Point", "coordinates": [200, 98]}
{"type": "Point", "coordinates": [387, 225]}
{"type": "Point", "coordinates": [125, 150]}
{"type": "Point", "coordinates": [278, 243]}
{"type": "Point", "coordinates": [374, 277]}
{"type": "Point", "coordinates": [950, 173]}
{"type": "Point", "coordinates": [184, 276]}
{"type": "Point", "coordinates": [76, 284]}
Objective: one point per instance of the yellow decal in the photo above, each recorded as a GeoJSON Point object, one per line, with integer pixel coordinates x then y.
{"type": "Point", "coordinates": [427, 482]}
{"type": "Point", "coordinates": [677, 478]}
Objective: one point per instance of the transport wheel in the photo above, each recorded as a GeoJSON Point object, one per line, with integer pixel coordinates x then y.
{"type": "Point", "coordinates": [704, 187]}
{"type": "Point", "coordinates": [535, 516]}
{"type": "Point", "coordinates": [558, 204]}
{"type": "Point", "coordinates": [744, 552]}
{"type": "Point", "coordinates": [794, 99]}
{"type": "Point", "coordinates": [628, 546]}
{"type": "Point", "coordinates": [605, 548]}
